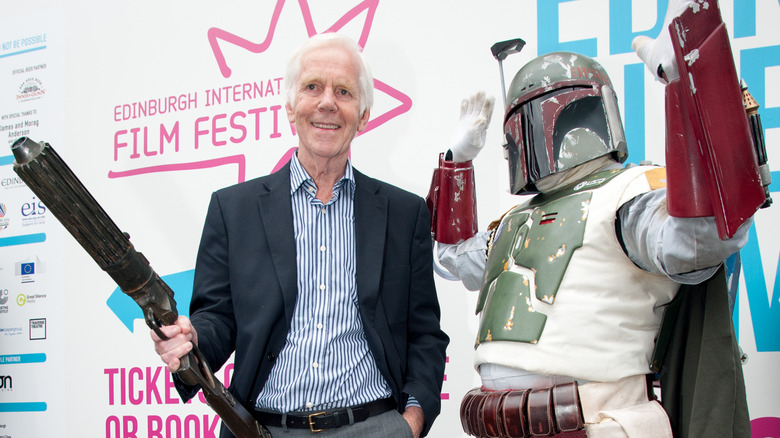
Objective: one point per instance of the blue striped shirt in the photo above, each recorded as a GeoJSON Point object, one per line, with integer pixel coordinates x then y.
{"type": "Point", "coordinates": [326, 362]}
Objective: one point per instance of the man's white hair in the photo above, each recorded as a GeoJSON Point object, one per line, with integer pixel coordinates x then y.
{"type": "Point", "coordinates": [365, 79]}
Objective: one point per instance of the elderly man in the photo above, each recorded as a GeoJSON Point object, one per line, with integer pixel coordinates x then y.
{"type": "Point", "coordinates": [319, 278]}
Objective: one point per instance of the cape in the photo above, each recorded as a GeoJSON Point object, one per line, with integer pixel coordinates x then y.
{"type": "Point", "coordinates": [702, 385]}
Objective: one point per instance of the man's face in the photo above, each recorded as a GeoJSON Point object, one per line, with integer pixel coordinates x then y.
{"type": "Point", "coordinates": [327, 104]}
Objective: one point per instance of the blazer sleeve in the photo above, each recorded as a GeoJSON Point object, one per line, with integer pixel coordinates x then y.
{"type": "Point", "coordinates": [211, 309]}
{"type": "Point", "coordinates": [427, 343]}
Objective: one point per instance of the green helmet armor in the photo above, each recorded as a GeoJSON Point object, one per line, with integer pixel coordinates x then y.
{"type": "Point", "coordinates": [561, 112]}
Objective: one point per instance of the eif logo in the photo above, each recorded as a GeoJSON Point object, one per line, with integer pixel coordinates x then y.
{"type": "Point", "coordinates": [2, 210]}
{"type": "Point", "coordinates": [6, 383]}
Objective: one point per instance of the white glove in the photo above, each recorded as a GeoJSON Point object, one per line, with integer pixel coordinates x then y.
{"type": "Point", "coordinates": [469, 137]}
{"type": "Point", "coordinates": [659, 51]}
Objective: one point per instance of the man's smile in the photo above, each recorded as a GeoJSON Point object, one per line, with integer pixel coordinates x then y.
{"type": "Point", "coordinates": [325, 125]}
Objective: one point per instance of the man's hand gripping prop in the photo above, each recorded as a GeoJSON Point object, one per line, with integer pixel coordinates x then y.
{"type": "Point", "coordinates": [451, 198]}
{"type": "Point", "coordinates": [47, 175]}
{"type": "Point", "coordinates": [715, 155]}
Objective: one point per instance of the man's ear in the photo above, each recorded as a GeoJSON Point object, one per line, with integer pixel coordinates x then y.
{"type": "Point", "coordinates": [364, 120]}
{"type": "Point", "coordinates": [290, 112]}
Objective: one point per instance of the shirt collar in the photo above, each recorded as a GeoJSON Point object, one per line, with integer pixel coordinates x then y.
{"type": "Point", "coordinates": [299, 177]}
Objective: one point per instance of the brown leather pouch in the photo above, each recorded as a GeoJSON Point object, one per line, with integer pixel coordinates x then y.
{"type": "Point", "coordinates": [522, 414]}
{"type": "Point", "coordinates": [465, 410]}
{"type": "Point", "coordinates": [515, 423]}
{"type": "Point", "coordinates": [491, 414]}
{"type": "Point", "coordinates": [476, 426]}
{"type": "Point", "coordinates": [567, 408]}
{"type": "Point", "coordinates": [540, 415]}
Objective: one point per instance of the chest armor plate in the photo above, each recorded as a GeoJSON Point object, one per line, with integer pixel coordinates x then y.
{"type": "Point", "coordinates": [530, 253]}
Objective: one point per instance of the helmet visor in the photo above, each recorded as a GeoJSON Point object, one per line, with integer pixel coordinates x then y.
{"type": "Point", "coordinates": [554, 132]}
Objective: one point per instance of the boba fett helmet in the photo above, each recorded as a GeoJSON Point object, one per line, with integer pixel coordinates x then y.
{"type": "Point", "coordinates": [561, 111]}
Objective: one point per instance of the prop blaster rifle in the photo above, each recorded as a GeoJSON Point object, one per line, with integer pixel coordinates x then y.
{"type": "Point", "coordinates": [47, 175]}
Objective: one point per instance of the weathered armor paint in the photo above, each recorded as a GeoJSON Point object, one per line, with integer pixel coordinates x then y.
{"type": "Point", "coordinates": [558, 285]}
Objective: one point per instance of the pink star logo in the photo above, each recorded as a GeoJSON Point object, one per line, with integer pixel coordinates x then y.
{"type": "Point", "coordinates": [218, 36]}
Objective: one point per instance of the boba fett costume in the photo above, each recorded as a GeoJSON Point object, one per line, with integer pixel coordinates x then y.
{"type": "Point", "coordinates": [573, 282]}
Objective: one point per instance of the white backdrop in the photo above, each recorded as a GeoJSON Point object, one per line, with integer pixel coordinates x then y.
{"type": "Point", "coordinates": [75, 356]}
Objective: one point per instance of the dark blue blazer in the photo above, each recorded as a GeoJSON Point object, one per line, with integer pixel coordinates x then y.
{"type": "Point", "coordinates": [246, 286]}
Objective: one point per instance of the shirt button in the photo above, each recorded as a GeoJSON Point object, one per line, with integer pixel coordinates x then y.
{"type": "Point", "coordinates": [322, 210]}
{"type": "Point", "coordinates": [323, 248]}
{"type": "Point", "coordinates": [309, 405]}
{"type": "Point", "coordinates": [315, 365]}
{"type": "Point", "coordinates": [322, 287]}
{"type": "Point", "coordinates": [319, 326]}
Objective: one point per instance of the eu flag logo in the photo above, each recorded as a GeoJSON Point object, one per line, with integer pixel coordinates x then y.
{"type": "Point", "coordinates": [28, 268]}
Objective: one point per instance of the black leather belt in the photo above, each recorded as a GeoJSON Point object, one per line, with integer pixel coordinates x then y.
{"type": "Point", "coordinates": [320, 421]}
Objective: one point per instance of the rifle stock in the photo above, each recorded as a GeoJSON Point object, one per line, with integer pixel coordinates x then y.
{"type": "Point", "coordinates": [47, 175]}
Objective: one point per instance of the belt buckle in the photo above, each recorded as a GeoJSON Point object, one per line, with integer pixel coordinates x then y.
{"type": "Point", "coordinates": [311, 422]}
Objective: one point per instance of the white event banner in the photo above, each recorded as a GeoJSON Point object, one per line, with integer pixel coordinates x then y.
{"type": "Point", "coordinates": [154, 105]}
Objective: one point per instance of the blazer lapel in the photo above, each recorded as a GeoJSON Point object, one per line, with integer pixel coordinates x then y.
{"type": "Point", "coordinates": [275, 206]}
{"type": "Point", "coordinates": [370, 231]}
